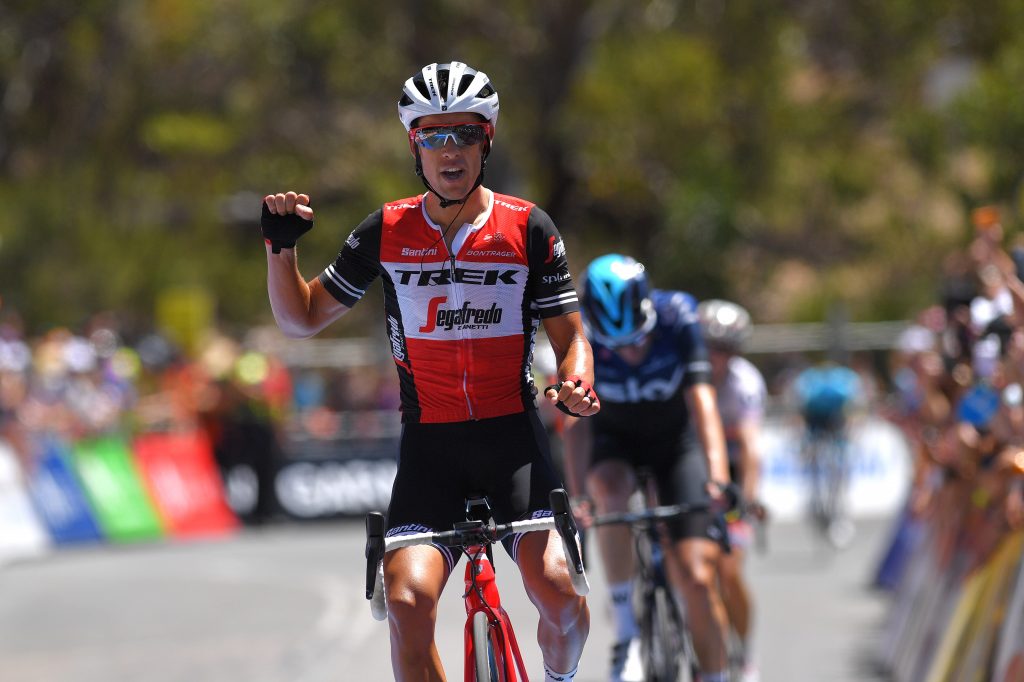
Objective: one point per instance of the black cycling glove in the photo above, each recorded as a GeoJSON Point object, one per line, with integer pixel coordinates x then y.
{"type": "Point", "coordinates": [282, 231]}
{"type": "Point", "coordinates": [588, 393]}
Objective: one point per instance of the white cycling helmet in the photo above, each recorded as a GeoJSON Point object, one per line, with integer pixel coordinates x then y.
{"type": "Point", "coordinates": [726, 325]}
{"type": "Point", "coordinates": [445, 89]}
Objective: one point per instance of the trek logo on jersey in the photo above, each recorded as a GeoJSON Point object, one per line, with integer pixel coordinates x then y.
{"type": "Point", "coordinates": [352, 241]}
{"type": "Point", "coordinates": [429, 278]}
{"type": "Point", "coordinates": [512, 207]}
{"type": "Point", "coordinates": [406, 251]}
{"type": "Point", "coordinates": [463, 318]}
{"type": "Point", "coordinates": [556, 249]}
{"type": "Point", "coordinates": [397, 345]}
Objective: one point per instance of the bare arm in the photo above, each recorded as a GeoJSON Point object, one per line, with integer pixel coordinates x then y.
{"type": "Point", "coordinates": [750, 457]}
{"type": "Point", "coordinates": [700, 398]}
{"type": "Point", "coordinates": [576, 442]}
{"type": "Point", "coordinates": [574, 358]}
{"type": "Point", "coordinates": [300, 308]}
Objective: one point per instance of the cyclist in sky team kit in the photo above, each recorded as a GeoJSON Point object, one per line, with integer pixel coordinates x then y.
{"type": "Point", "coordinates": [659, 413]}
{"type": "Point", "coordinates": [468, 276]}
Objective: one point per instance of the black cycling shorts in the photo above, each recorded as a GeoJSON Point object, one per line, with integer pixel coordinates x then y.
{"type": "Point", "coordinates": [507, 459]}
{"type": "Point", "coordinates": [680, 474]}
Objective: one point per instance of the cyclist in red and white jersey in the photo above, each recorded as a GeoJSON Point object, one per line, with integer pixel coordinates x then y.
{"type": "Point", "coordinates": [468, 277]}
{"type": "Point", "coordinates": [741, 395]}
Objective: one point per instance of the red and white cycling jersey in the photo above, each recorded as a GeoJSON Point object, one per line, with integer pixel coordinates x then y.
{"type": "Point", "coordinates": [461, 324]}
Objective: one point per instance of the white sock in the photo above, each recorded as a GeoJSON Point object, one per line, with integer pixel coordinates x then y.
{"type": "Point", "coordinates": [551, 676]}
{"type": "Point", "coordinates": [622, 610]}
{"type": "Point", "coordinates": [722, 676]}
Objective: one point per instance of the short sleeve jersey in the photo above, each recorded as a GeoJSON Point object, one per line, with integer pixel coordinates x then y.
{"type": "Point", "coordinates": [648, 398]}
{"type": "Point", "coordinates": [461, 324]}
{"type": "Point", "coordinates": [741, 398]}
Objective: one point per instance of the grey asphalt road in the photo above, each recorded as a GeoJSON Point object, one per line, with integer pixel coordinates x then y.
{"type": "Point", "coordinates": [285, 603]}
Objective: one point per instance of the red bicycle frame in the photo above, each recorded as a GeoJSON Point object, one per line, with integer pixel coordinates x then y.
{"type": "Point", "coordinates": [480, 580]}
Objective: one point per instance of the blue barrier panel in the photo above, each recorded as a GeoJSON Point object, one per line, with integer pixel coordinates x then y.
{"type": "Point", "coordinates": [59, 499]}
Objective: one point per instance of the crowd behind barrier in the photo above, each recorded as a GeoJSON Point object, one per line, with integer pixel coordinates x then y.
{"type": "Point", "coordinates": [955, 564]}
{"type": "Point", "coordinates": [102, 439]}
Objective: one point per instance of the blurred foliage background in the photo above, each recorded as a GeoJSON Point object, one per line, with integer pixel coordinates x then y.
{"type": "Point", "coordinates": [786, 154]}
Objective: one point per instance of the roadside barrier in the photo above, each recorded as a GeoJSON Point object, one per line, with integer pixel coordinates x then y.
{"type": "Point", "coordinates": [109, 489]}
{"type": "Point", "coordinates": [958, 609]}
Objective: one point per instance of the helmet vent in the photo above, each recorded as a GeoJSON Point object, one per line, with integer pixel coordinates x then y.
{"type": "Point", "coordinates": [421, 85]}
{"type": "Point", "coordinates": [464, 83]}
{"type": "Point", "coordinates": [485, 91]}
{"type": "Point", "coordinates": [442, 82]}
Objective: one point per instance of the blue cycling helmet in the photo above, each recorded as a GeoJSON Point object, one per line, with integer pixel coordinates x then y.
{"type": "Point", "coordinates": [617, 306]}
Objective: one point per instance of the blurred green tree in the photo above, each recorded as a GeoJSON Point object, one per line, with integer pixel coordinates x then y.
{"type": "Point", "coordinates": [788, 155]}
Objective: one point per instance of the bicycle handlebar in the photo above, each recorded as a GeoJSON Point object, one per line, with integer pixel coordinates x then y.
{"type": "Point", "coordinates": [469, 534]}
{"type": "Point", "coordinates": [664, 513]}
{"type": "Point", "coordinates": [650, 514]}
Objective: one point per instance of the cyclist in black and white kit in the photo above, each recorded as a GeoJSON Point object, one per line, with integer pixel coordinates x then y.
{"type": "Point", "coordinates": [741, 395]}
{"type": "Point", "coordinates": [658, 412]}
{"type": "Point", "coordinates": [468, 276]}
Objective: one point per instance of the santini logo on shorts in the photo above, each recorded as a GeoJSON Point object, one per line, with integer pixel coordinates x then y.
{"type": "Point", "coordinates": [463, 318]}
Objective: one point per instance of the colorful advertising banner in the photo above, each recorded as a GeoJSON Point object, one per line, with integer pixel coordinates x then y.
{"type": "Point", "coordinates": [111, 481]}
{"type": "Point", "coordinates": [182, 479]}
{"type": "Point", "coordinates": [59, 498]}
{"type": "Point", "coordinates": [22, 534]}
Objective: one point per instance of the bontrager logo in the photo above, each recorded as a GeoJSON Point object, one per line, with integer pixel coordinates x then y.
{"type": "Point", "coordinates": [406, 251]}
{"type": "Point", "coordinates": [395, 207]}
{"type": "Point", "coordinates": [495, 254]}
{"type": "Point", "coordinates": [463, 318]}
{"type": "Point", "coordinates": [426, 278]}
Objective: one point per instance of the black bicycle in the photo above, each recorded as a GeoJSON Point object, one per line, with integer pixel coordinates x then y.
{"type": "Point", "coordinates": [666, 647]}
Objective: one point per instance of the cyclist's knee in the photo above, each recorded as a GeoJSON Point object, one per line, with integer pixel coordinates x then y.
{"type": "Point", "coordinates": [547, 582]}
{"type": "Point", "coordinates": [412, 618]}
{"type": "Point", "coordinates": [610, 483]}
{"type": "Point", "coordinates": [562, 611]}
{"type": "Point", "coordinates": [699, 569]}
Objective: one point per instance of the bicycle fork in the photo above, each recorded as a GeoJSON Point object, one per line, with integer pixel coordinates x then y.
{"type": "Point", "coordinates": [482, 595]}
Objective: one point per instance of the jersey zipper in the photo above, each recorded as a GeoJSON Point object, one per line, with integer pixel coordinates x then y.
{"type": "Point", "coordinates": [463, 346]}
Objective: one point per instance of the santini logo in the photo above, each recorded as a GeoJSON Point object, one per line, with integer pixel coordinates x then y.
{"type": "Point", "coordinates": [464, 317]}
{"type": "Point", "coordinates": [406, 251]}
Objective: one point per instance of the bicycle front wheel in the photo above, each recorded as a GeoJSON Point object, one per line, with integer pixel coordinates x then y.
{"type": "Point", "coordinates": [661, 636]}
{"type": "Point", "coordinates": [485, 662]}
